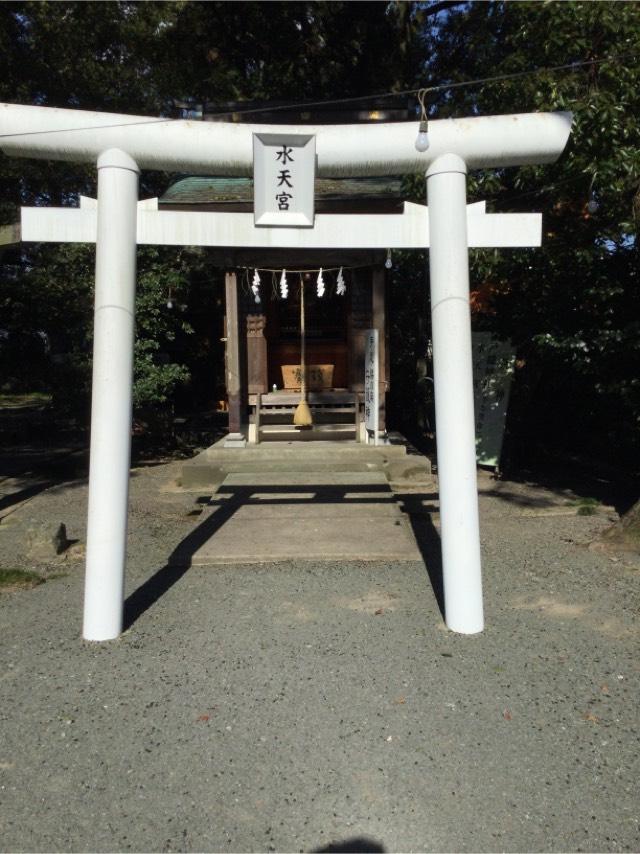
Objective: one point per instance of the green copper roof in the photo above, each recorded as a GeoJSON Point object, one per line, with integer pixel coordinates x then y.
{"type": "Point", "coordinates": [201, 190]}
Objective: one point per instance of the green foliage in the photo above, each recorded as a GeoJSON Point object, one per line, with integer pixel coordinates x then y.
{"type": "Point", "coordinates": [295, 51]}
{"type": "Point", "coordinates": [573, 306]}
{"type": "Point", "coordinates": [17, 579]}
{"type": "Point", "coordinates": [160, 275]}
{"type": "Point", "coordinates": [138, 58]}
{"type": "Point", "coordinates": [411, 390]}
{"type": "Point", "coordinates": [154, 383]}
{"type": "Point", "coordinates": [46, 294]}
{"type": "Point", "coordinates": [587, 506]}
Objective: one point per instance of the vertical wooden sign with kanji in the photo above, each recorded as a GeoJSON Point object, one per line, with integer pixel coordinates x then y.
{"type": "Point", "coordinates": [284, 171]}
{"type": "Point", "coordinates": [371, 387]}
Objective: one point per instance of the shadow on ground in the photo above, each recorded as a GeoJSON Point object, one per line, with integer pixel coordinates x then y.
{"type": "Point", "coordinates": [427, 537]}
{"type": "Point", "coordinates": [233, 498]}
{"type": "Point", "coordinates": [355, 845]}
{"type": "Point", "coordinates": [607, 485]}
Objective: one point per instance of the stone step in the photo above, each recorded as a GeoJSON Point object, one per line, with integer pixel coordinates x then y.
{"type": "Point", "coordinates": [210, 467]}
{"type": "Point", "coordinates": [320, 433]}
{"type": "Point", "coordinates": [321, 448]}
{"type": "Point", "coordinates": [308, 479]}
{"type": "Point", "coordinates": [335, 516]}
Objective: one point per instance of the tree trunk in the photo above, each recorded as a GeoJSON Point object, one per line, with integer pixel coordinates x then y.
{"type": "Point", "coordinates": [625, 534]}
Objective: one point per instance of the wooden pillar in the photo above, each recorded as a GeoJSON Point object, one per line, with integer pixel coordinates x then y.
{"type": "Point", "coordinates": [378, 293]}
{"type": "Point", "coordinates": [235, 439]}
{"type": "Point", "coordinates": [358, 323]}
{"type": "Point", "coordinates": [257, 374]}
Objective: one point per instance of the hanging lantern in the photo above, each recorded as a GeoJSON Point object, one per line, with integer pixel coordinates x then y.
{"type": "Point", "coordinates": [341, 287]}
{"type": "Point", "coordinates": [320, 284]}
{"type": "Point", "coordinates": [255, 285]}
{"type": "Point", "coordinates": [284, 285]}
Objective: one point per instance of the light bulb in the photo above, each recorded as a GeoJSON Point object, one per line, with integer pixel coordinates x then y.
{"type": "Point", "coordinates": [592, 206]}
{"type": "Point", "coordinates": [169, 303]}
{"type": "Point", "coordinates": [422, 140]}
{"type": "Point", "coordinates": [388, 263]}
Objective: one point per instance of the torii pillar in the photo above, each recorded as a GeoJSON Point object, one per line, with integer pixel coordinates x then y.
{"type": "Point", "coordinates": [111, 398]}
{"type": "Point", "coordinates": [453, 386]}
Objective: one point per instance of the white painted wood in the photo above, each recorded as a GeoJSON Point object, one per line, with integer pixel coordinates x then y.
{"type": "Point", "coordinates": [409, 230]}
{"type": "Point", "coordinates": [89, 204]}
{"type": "Point", "coordinates": [453, 382]}
{"type": "Point", "coordinates": [284, 171]}
{"type": "Point", "coordinates": [224, 148]}
{"type": "Point", "coordinates": [111, 395]}
{"type": "Point", "coordinates": [148, 204]}
{"type": "Point", "coordinates": [59, 225]}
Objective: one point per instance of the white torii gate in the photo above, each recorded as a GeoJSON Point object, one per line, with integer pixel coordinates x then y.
{"type": "Point", "coordinates": [122, 144]}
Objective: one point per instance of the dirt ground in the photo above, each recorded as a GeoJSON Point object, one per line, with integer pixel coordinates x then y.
{"type": "Point", "coordinates": [314, 705]}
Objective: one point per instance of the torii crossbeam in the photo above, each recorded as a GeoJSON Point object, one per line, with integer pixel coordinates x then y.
{"type": "Point", "coordinates": [408, 230]}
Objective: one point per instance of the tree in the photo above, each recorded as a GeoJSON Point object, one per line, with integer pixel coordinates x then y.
{"type": "Point", "coordinates": [572, 307]}
{"type": "Point", "coordinates": [624, 535]}
{"type": "Point", "coordinates": [139, 58]}
{"type": "Point", "coordinates": [93, 57]}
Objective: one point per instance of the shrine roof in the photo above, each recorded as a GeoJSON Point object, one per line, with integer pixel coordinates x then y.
{"type": "Point", "coordinates": [233, 192]}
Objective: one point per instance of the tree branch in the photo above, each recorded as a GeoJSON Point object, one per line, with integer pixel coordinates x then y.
{"type": "Point", "coordinates": [442, 5]}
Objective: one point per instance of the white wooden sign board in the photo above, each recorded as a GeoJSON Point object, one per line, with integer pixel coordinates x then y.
{"type": "Point", "coordinates": [493, 366]}
{"type": "Point", "coordinates": [371, 386]}
{"type": "Point", "coordinates": [284, 171]}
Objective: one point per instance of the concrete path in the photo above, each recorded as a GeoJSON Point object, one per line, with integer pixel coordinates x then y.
{"type": "Point", "coordinates": [266, 518]}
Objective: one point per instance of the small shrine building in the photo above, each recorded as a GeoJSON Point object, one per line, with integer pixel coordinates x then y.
{"type": "Point", "coordinates": [262, 331]}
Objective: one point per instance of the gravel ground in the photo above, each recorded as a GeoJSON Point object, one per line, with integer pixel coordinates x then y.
{"type": "Point", "coordinates": [318, 706]}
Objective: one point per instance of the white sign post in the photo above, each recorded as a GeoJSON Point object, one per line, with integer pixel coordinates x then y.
{"type": "Point", "coordinates": [284, 171]}
{"type": "Point", "coordinates": [371, 386]}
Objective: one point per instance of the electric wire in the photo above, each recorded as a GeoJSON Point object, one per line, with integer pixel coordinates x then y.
{"type": "Point", "coordinates": [420, 91]}
{"type": "Point", "coordinates": [437, 88]}
{"type": "Point", "coordinates": [305, 270]}
{"type": "Point", "coordinates": [149, 121]}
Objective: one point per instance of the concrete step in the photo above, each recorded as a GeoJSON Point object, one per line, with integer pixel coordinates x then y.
{"type": "Point", "coordinates": [210, 467]}
{"type": "Point", "coordinates": [268, 517]}
{"type": "Point", "coordinates": [308, 479]}
{"type": "Point", "coordinates": [320, 433]}
{"type": "Point", "coordinates": [321, 448]}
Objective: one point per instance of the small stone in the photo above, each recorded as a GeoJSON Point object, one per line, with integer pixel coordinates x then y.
{"type": "Point", "coordinates": [46, 543]}
{"type": "Point", "coordinates": [60, 540]}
